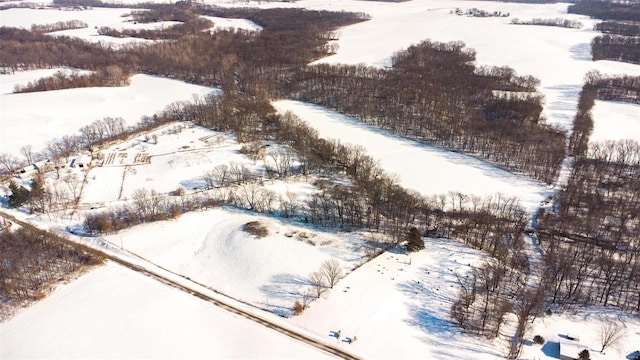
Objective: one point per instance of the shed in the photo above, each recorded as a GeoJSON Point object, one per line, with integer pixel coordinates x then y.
{"type": "Point", "coordinates": [81, 161]}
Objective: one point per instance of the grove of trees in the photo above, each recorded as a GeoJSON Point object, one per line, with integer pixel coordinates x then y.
{"type": "Point", "coordinates": [433, 93]}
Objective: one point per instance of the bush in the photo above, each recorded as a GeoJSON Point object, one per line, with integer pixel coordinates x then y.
{"type": "Point", "coordinates": [538, 340]}
{"type": "Point", "coordinates": [584, 355]}
{"type": "Point", "coordinates": [256, 228]}
{"type": "Point", "coordinates": [414, 240]}
{"type": "Point", "coordinates": [19, 195]}
{"type": "Point", "coordinates": [298, 308]}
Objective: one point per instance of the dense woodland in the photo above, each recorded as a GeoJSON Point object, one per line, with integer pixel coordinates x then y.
{"type": "Point", "coordinates": [31, 261]}
{"type": "Point", "coordinates": [625, 28]}
{"type": "Point", "coordinates": [621, 42]}
{"type": "Point", "coordinates": [607, 10]}
{"type": "Point", "coordinates": [488, 112]}
{"type": "Point", "coordinates": [433, 93]}
{"type": "Point", "coordinates": [617, 48]}
{"type": "Point", "coordinates": [592, 237]}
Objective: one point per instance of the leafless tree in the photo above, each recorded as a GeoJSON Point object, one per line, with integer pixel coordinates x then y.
{"type": "Point", "coordinates": [317, 283]}
{"type": "Point", "coordinates": [289, 204]}
{"type": "Point", "coordinates": [9, 162]}
{"type": "Point", "coordinates": [331, 271]}
{"type": "Point", "coordinates": [240, 172]}
{"type": "Point", "coordinates": [221, 174]}
{"type": "Point", "coordinates": [610, 334]}
{"type": "Point", "coordinates": [28, 153]}
{"type": "Point", "coordinates": [281, 162]}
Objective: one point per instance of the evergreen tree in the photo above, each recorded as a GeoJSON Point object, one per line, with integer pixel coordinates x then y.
{"type": "Point", "coordinates": [414, 240]}
{"type": "Point", "coordinates": [38, 194]}
{"type": "Point", "coordinates": [19, 195]}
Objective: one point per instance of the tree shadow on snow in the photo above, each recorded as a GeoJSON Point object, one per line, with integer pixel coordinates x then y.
{"type": "Point", "coordinates": [425, 320]}
{"type": "Point", "coordinates": [285, 287]}
{"type": "Point", "coordinates": [581, 52]}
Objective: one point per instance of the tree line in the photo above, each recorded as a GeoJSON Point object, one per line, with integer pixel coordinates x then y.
{"type": "Point", "coordinates": [591, 236]}
{"type": "Point", "coordinates": [31, 261]}
{"type": "Point", "coordinates": [434, 94]}
{"type": "Point", "coordinates": [617, 48]}
{"type": "Point", "coordinates": [620, 42]}
{"type": "Point", "coordinates": [625, 28]}
{"type": "Point", "coordinates": [560, 22]}
{"type": "Point", "coordinates": [58, 26]}
{"type": "Point", "coordinates": [111, 75]}
{"type": "Point", "coordinates": [607, 10]}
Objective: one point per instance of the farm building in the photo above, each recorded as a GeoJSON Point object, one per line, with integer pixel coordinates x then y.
{"type": "Point", "coordinates": [82, 161]}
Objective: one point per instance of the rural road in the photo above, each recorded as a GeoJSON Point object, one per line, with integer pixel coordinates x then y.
{"type": "Point", "coordinates": [186, 285]}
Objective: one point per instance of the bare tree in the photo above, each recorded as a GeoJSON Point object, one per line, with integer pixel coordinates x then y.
{"type": "Point", "coordinates": [610, 334]}
{"type": "Point", "coordinates": [9, 162]}
{"type": "Point", "coordinates": [27, 151]}
{"type": "Point", "coordinates": [317, 282]}
{"type": "Point", "coordinates": [281, 162]}
{"type": "Point", "coordinates": [209, 179]}
{"type": "Point", "coordinates": [331, 271]}
{"type": "Point", "coordinates": [221, 174]}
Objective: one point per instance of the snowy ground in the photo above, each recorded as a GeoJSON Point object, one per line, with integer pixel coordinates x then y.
{"type": "Point", "coordinates": [615, 121]}
{"type": "Point", "coordinates": [211, 248]}
{"type": "Point", "coordinates": [227, 23]}
{"type": "Point", "coordinates": [426, 169]}
{"type": "Point", "coordinates": [397, 306]}
{"type": "Point", "coordinates": [179, 159]}
{"type": "Point", "coordinates": [395, 309]}
{"type": "Point", "coordinates": [62, 112]}
{"type": "Point", "coordinates": [115, 313]}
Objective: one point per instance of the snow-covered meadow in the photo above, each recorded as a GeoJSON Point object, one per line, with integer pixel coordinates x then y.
{"type": "Point", "coordinates": [115, 313]}
{"type": "Point", "coordinates": [615, 121]}
{"type": "Point", "coordinates": [397, 304]}
{"type": "Point", "coordinates": [95, 18]}
{"type": "Point", "coordinates": [36, 118]}
{"type": "Point", "coordinates": [425, 169]}
{"type": "Point", "coordinates": [177, 158]}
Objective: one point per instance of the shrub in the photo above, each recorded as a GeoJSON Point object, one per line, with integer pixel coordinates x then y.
{"type": "Point", "coordinates": [414, 240]}
{"type": "Point", "coordinates": [256, 228]}
{"type": "Point", "coordinates": [584, 355]}
{"type": "Point", "coordinates": [298, 308]}
{"type": "Point", "coordinates": [538, 340]}
{"type": "Point", "coordinates": [19, 195]}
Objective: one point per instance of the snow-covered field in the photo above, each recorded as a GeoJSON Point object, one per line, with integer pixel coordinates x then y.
{"type": "Point", "coordinates": [211, 248]}
{"type": "Point", "coordinates": [426, 169]}
{"type": "Point", "coordinates": [397, 305]}
{"type": "Point", "coordinates": [615, 121]}
{"type": "Point", "coordinates": [179, 159]}
{"type": "Point", "coordinates": [227, 23]}
{"type": "Point", "coordinates": [35, 118]}
{"type": "Point", "coordinates": [115, 313]}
